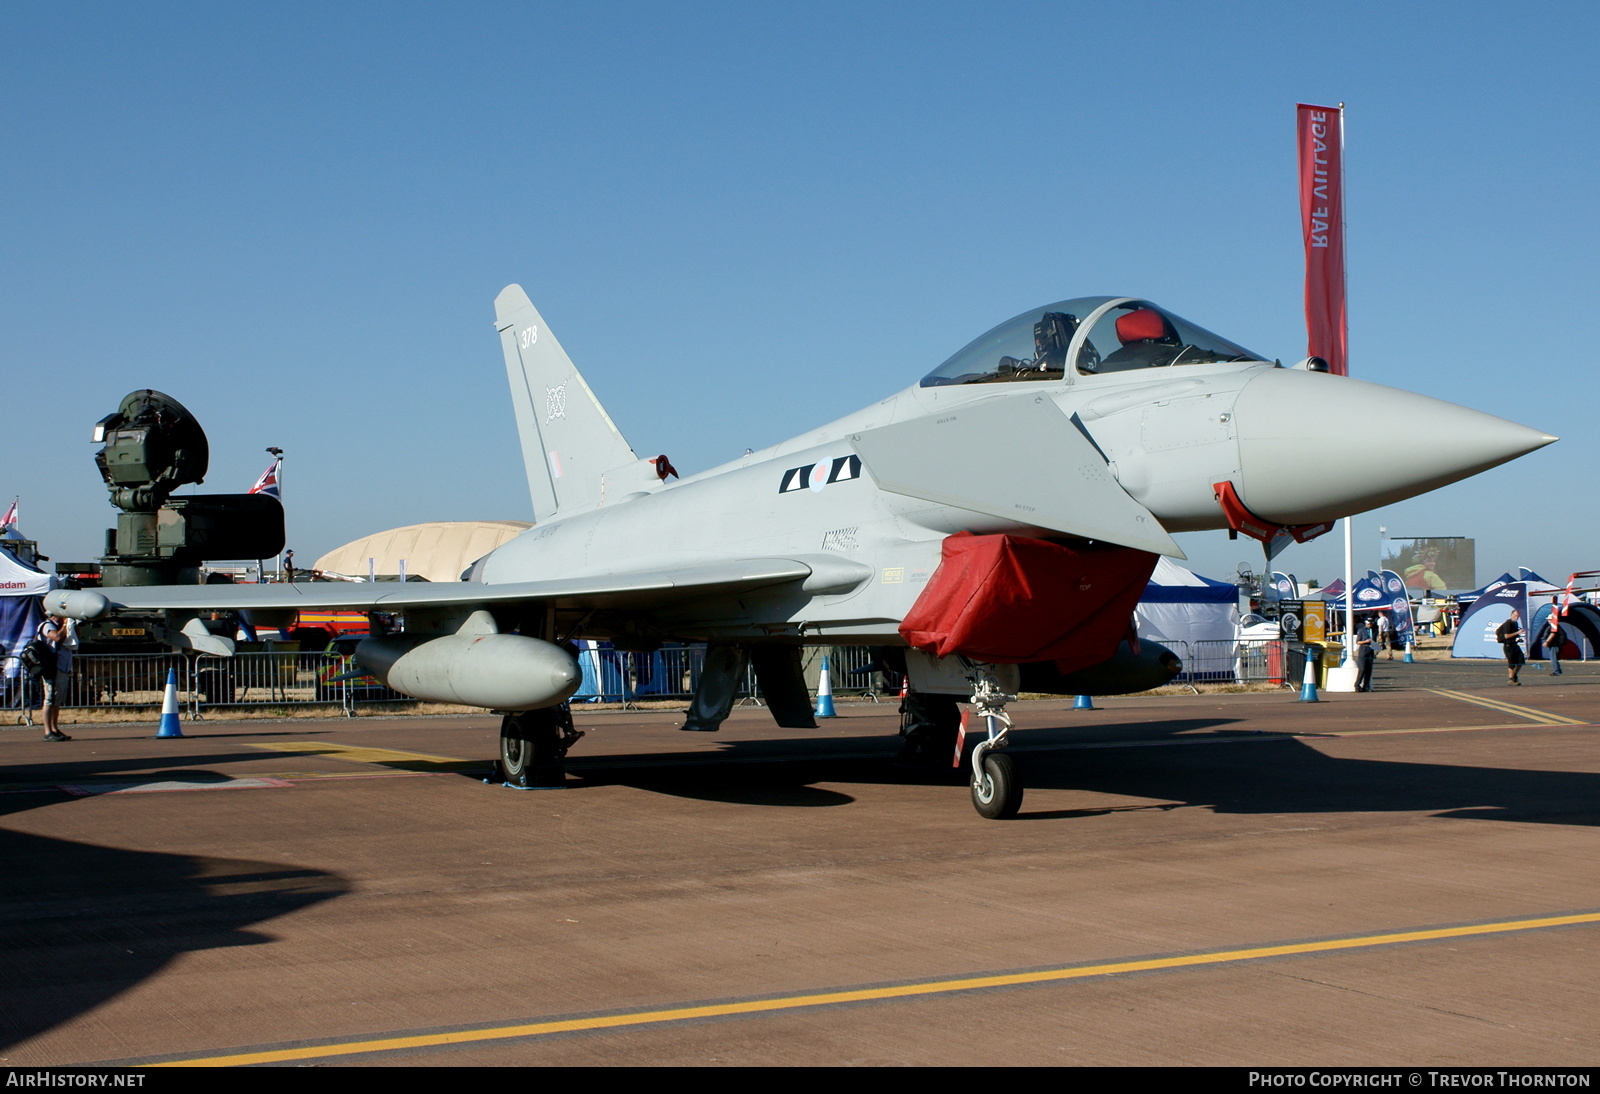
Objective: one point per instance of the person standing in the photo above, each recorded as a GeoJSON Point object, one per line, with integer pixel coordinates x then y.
{"type": "Point", "coordinates": [1366, 654]}
{"type": "Point", "coordinates": [1509, 635]}
{"type": "Point", "coordinates": [58, 632]}
{"type": "Point", "coordinates": [1386, 635]}
{"type": "Point", "coordinates": [1552, 640]}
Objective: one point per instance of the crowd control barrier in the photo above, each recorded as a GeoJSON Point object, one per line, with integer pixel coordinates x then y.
{"type": "Point", "coordinates": [262, 679]}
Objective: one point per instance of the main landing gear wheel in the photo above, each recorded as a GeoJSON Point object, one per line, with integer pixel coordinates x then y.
{"type": "Point", "coordinates": [996, 793]}
{"type": "Point", "coordinates": [533, 747]}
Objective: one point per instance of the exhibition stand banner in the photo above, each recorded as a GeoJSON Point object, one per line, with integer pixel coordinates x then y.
{"type": "Point", "coordinates": [1319, 132]}
{"type": "Point", "coordinates": [21, 586]}
{"type": "Point", "coordinates": [1394, 587]}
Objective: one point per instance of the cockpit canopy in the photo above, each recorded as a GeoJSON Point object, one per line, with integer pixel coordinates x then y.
{"type": "Point", "coordinates": [1100, 333]}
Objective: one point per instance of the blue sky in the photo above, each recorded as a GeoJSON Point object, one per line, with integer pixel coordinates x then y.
{"type": "Point", "coordinates": [744, 220]}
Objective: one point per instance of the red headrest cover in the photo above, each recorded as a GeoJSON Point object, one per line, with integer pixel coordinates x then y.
{"type": "Point", "coordinates": [1140, 326]}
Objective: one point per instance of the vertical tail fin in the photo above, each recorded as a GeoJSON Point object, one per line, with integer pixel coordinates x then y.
{"type": "Point", "coordinates": [568, 440]}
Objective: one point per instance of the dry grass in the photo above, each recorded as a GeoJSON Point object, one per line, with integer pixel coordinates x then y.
{"type": "Point", "coordinates": [1216, 689]}
{"type": "Point", "coordinates": [1180, 689]}
{"type": "Point", "coordinates": [324, 711]}
{"type": "Point", "coordinates": [265, 712]}
{"type": "Point", "coordinates": [290, 711]}
{"type": "Point", "coordinates": [1430, 648]}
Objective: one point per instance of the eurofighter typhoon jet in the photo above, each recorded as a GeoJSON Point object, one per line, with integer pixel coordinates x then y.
{"type": "Point", "coordinates": [991, 526]}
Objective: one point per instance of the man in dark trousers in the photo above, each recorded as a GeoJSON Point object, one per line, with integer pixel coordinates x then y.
{"type": "Point", "coordinates": [1509, 635]}
{"type": "Point", "coordinates": [1366, 653]}
{"type": "Point", "coordinates": [1552, 640]}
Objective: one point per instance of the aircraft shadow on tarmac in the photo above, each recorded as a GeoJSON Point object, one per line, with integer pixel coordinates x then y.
{"type": "Point", "coordinates": [781, 784]}
{"type": "Point", "coordinates": [82, 923]}
{"type": "Point", "coordinates": [780, 772]}
{"type": "Point", "coordinates": [1245, 773]}
{"type": "Point", "coordinates": [1288, 775]}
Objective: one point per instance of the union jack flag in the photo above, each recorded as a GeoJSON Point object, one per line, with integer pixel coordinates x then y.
{"type": "Point", "coordinates": [268, 482]}
{"type": "Point", "coordinates": [11, 515]}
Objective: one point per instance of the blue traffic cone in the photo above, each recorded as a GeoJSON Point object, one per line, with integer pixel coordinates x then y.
{"type": "Point", "coordinates": [825, 692]}
{"type": "Point", "coordinates": [1084, 702]}
{"type": "Point", "coordinates": [1409, 659]}
{"type": "Point", "coordinates": [1308, 682]}
{"type": "Point", "coordinates": [169, 708]}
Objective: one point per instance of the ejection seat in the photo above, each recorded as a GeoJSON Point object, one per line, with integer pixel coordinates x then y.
{"type": "Point", "coordinates": [1148, 341]}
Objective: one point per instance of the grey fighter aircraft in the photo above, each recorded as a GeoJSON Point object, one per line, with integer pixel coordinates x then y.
{"type": "Point", "coordinates": [993, 524]}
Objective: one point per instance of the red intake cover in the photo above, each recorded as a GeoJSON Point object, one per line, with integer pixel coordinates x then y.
{"type": "Point", "coordinates": [1009, 599]}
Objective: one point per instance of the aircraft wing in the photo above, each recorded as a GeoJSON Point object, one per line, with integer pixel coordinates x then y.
{"type": "Point", "coordinates": [634, 590]}
{"type": "Point", "coordinates": [1016, 457]}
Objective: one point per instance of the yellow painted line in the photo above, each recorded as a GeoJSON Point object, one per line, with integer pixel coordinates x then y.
{"type": "Point", "coordinates": [386, 757]}
{"type": "Point", "coordinates": [304, 776]}
{"type": "Point", "coordinates": [1516, 709]}
{"type": "Point", "coordinates": [1314, 734]}
{"type": "Point", "coordinates": [1511, 708]}
{"type": "Point", "coordinates": [862, 995]}
{"type": "Point", "coordinates": [1503, 706]}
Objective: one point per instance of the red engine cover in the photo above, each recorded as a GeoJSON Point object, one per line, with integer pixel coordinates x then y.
{"type": "Point", "coordinates": [1010, 599]}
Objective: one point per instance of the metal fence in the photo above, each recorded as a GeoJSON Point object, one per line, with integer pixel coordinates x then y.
{"type": "Point", "coordinates": [17, 691]}
{"type": "Point", "coordinates": [621, 676]}
{"type": "Point", "coordinates": [1222, 661]}
{"type": "Point", "coordinates": [133, 681]}
{"type": "Point", "coordinates": [285, 678]}
{"type": "Point", "coordinates": [626, 676]}
{"type": "Point", "coordinates": [853, 669]}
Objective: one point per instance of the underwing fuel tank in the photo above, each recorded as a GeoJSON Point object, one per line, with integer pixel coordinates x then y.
{"type": "Point", "coordinates": [498, 671]}
{"type": "Point", "coordinates": [1125, 673]}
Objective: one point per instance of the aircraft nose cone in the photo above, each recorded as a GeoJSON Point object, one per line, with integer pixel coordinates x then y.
{"type": "Point", "coordinates": [1390, 445]}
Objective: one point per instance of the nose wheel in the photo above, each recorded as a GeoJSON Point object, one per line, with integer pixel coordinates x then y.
{"type": "Point", "coordinates": [996, 793]}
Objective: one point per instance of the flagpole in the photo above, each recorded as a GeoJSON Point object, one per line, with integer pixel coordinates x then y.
{"type": "Point", "coordinates": [1322, 225]}
{"type": "Point", "coordinates": [277, 484]}
{"type": "Point", "coordinates": [277, 454]}
{"type": "Point", "coordinates": [1349, 599]}
{"type": "Point", "coordinates": [1344, 285]}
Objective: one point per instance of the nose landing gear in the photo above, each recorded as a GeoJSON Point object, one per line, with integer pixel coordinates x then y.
{"type": "Point", "coordinates": [996, 790]}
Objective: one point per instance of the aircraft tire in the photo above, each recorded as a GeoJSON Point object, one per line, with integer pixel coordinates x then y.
{"type": "Point", "coordinates": [531, 751]}
{"type": "Point", "coordinates": [998, 794]}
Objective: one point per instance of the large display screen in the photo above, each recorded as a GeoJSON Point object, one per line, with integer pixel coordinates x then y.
{"type": "Point", "coordinates": [1435, 562]}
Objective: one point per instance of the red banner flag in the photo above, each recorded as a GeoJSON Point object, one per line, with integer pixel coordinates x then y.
{"type": "Point", "coordinates": [1319, 134]}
